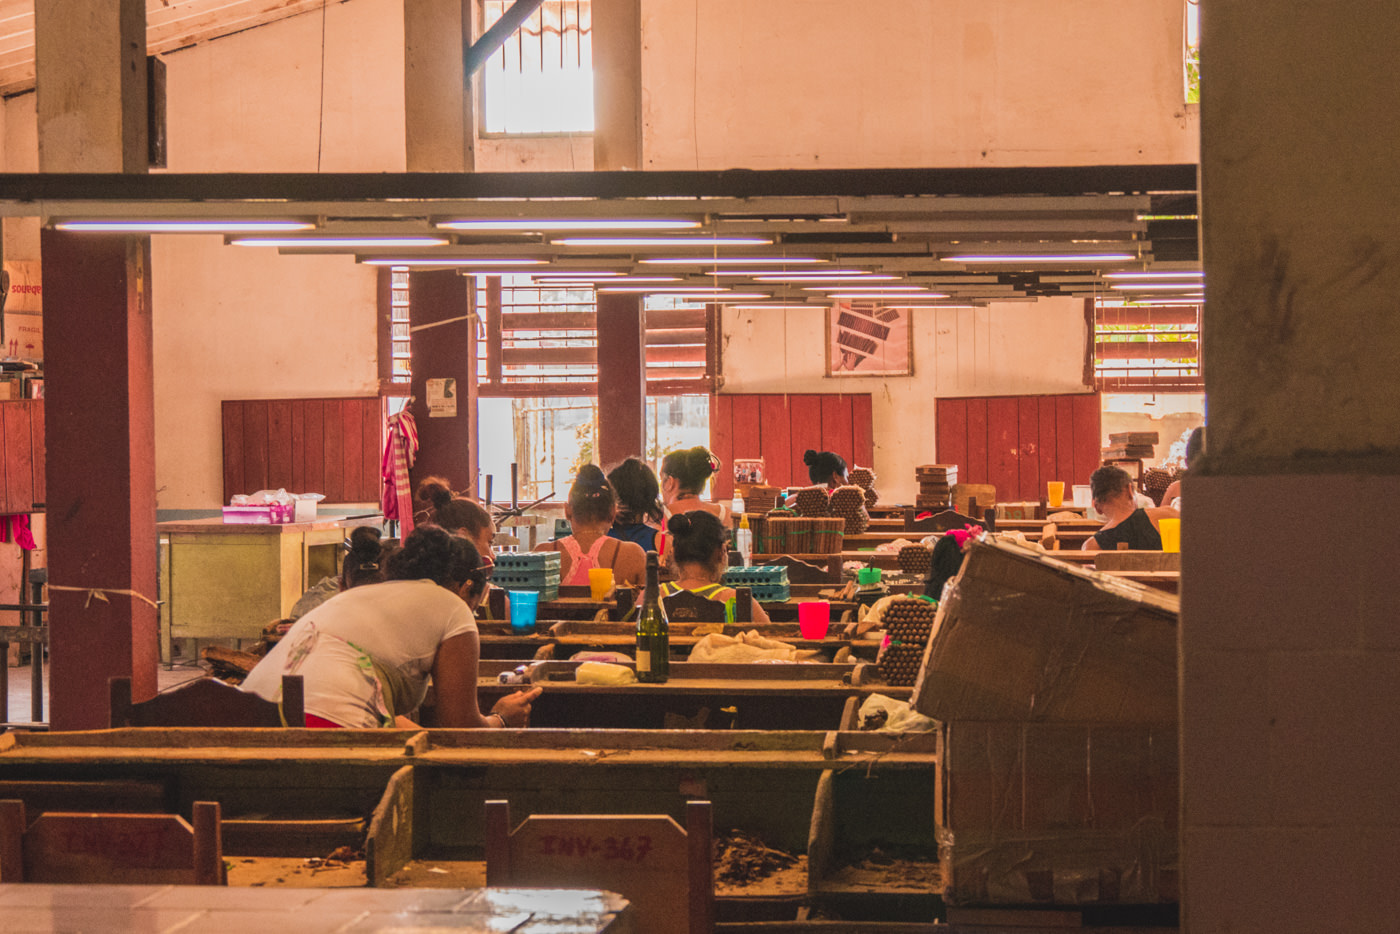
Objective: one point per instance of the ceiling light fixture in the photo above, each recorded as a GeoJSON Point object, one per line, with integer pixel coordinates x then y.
{"type": "Point", "coordinates": [775, 307]}
{"type": "Point", "coordinates": [604, 280]}
{"type": "Point", "coordinates": [332, 243]}
{"type": "Point", "coordinates": [190, 226]}
{"type": "Point", "coordinates": [755, 273]}
{"type": "Point", "coordinates": [560, 223]}
{"type": "Point", "coordinates": [451, 261]}
{"type": "Point", "coordinates": [846, 280]}
{"type": "Point", "coordinates": [857, 285]}
{"type": "Point", "coordinates": [896, 296]}
{"type": "Point", "coordinates": [1155, 286]}
{"type": "Point", "coordinates": [1155, 274]}
{"type": "Point", "coordinates": [609, 288]}
{"type": "Point", "coordinates": [698, 242]}
{"type": "Point", "coordinates": [730, 260]}
{"type": "Point", "coordinates": [1041, 258]}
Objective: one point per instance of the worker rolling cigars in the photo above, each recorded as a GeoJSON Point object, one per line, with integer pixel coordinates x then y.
{"type": "Point", "coordinates": [365, 656]}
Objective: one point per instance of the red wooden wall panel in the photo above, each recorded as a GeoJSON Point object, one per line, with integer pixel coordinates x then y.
{"type": "Point", "coordinates": [862, 430]}
{"type": "Point", "coordinates": [780, 428]}
{"type": "Point", "coordinates": [1028, 448]}
{"type": "Point", "coordinates": [722, 443]}
{"type": "Point", "coordinates": [775, 434]}
{"type": "Point", "coordinates": [806, 422]}
{"type": "Point", "coordinates": [21, 455]}
{"type": "Point", "coordinates": [1003, 434]}
{"type": "Point", "coordinates": [1018, 443]}
{"type": "Point", "coordinates": [329, 446]}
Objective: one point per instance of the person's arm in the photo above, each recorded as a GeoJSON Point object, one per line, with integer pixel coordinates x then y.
{"type": "Point", "coordinates": [454, 680]}
{"type": "Point", "coordinates": [1161, 512]}
{"type": "Point", "coordinates": [1091, 543]}
{"type": "Point", "coordinates": [630, 565]}
{"type": "Point", "coordinates": [1173, 491]}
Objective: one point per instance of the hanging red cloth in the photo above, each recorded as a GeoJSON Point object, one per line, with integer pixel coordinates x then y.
{"type": "Point", "coordinates": [16, 528]}
{"type": "Point", "coordinates": [396, 499]}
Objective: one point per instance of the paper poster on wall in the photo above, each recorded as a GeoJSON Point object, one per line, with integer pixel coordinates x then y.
{"type": "Point", "coordinates": [866, 339]}
{"type": "Point", "coordinates": [442, 398]}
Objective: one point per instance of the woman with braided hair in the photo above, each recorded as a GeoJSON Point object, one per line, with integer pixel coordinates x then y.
{"type": "Point", "coordinates": [591, 508]}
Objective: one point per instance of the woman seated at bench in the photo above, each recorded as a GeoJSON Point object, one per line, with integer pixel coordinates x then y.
{"type": "Point", "coordinates": [1112, 492]}
{"type": "Point", "coordinates": [697, 550]}
{"type": "Point", "coordinates": [591, 508]}
{"type": "Point", "coordinates": [365, 655]}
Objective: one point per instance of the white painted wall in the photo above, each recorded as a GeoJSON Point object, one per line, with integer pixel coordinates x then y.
{"type": "Point", "coordinates": [242, 323]}
{"type": "Point", "coordinates": [253, 101]}
{"type": "Point", "coordinates": [1009, 348]}
{"type": "Point", "coordinates": [829, 83]}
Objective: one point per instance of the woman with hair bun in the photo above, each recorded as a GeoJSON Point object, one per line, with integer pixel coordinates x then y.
{"type": "Point", "coordinates": [683, 475]}
{"type": "Point", "coordinates": [697, 551]}
{"type": "Point", "coordinates": [363, 564]}
{"type": "Point", "coordinates": [825, 468]}
{"type": "Point", "coordinates": [591, 508]}
{"type": "Point", "coordinates": [457, 514]}
{"type": "Point", "coordinates": [365, 656]}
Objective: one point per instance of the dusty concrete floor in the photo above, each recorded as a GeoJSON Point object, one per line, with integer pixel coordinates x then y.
{"type": "Point", "coordinates": [19, 698]}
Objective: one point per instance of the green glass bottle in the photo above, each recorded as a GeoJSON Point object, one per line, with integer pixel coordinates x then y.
{"type": "Point", "coordinates": [653, 632]}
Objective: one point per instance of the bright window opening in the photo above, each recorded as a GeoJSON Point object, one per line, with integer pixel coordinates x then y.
{"type": "Point", "coordinates": [541, 80]}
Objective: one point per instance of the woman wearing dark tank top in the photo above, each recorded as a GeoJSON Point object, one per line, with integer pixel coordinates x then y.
{"type": "Point", "coordinates": [1112, 490]}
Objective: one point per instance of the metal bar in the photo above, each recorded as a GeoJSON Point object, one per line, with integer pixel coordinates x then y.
{"type": "Point", "coordinates": [737, 183]}
{"type": "Point", "coordinates": [36, 654]}
{"type": "Point", "coordinates": [495, 37]}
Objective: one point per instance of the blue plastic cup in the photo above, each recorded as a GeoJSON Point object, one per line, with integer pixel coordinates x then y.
{"type": "Point", "coordinates": [524, 606]}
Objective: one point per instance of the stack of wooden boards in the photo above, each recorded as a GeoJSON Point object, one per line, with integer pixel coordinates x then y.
{"type": "Point", "coordinates": [935, 485]}
{"type": "Point", "coordinates": [1131, 445]}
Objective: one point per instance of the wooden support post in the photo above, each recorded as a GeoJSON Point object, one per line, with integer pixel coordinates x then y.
{"type": "Point", "coordinates": [443, 347]}
{"type": "Point", "coordinates": [621, 378]}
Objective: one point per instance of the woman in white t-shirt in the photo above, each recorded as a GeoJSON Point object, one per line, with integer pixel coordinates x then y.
{"type": "Point", "coordinates": [365, 656]}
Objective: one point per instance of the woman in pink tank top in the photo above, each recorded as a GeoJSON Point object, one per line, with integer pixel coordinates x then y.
{"type": "Point", "coordinates": [591, 508]}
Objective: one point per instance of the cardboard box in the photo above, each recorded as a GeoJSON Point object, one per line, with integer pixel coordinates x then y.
{"type": "Point", "coordinates": [1058, 814]}
{"type": "Point", "coordinates": [1021, 636]}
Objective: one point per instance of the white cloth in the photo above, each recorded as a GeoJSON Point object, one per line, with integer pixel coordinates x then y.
{"type": "Point", "coordinates": [397, 625]}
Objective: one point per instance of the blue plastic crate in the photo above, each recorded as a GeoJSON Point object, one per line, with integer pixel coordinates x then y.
{"type": "Point", "coordinates": [545, 561]}
{"type": "Point", "coordinates": [768, 584]}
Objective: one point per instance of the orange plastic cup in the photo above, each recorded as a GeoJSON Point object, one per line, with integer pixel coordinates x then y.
{"type": "Point", "coordinates": [1170, 530]}
{"type": "Point", "coordinates": [1055, 493]}
{"type": "Point", "coordinates": [600, 581]}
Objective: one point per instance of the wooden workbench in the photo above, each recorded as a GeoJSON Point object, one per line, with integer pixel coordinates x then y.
{"type": "Point", "coordinates": [128, 909]}
{"type": "Point", "coordinates": [228, 581]}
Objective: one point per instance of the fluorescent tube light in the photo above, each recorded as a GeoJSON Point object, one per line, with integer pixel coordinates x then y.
{"type": "Point", "coordinates": [560, 223]}
{"type": "Point", "coordinates": [1155, 286]}
{"type": "Point", "coordinates": [189, 226]}
{"type": "Point", "coordinates": [323, 243]}
{"type": "Point", "coordinates": [894, 296]}
{"type": "Point", "coordinates": [1154, 275]}
{"type": "Point", "coordinates": [662, 241]}
{"type": "Point", "coordinates": [730, 260]}
{"type": "Point", "coordinates": [451, 261]}
{"type": "Point", "coordinates": [1041, 258]}
{"type": "Point", "coordinates": [845, 280]}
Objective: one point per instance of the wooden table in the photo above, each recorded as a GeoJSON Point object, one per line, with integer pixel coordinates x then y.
{"type": "Point", "coordinates": [697, 696]}
{"type": "Point", "coordinates": [228, 581]}
{"type": "Point", "coordinates": [128, 909]}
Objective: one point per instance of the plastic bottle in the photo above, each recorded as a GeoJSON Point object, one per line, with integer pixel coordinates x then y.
{"type": "Point", "coordinates": [743, 540]}
{"type": "Point", "coordinates": [736, 506]}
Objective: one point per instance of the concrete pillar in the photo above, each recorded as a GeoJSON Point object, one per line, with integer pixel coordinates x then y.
{"type": "Point", "coordinates": [100, 475]}
{"type": "Point", "coordinates": [1290, 644]}
{"type": "Point", "coordinates": [617, 84]}
{"type": "Point", "coordinates": [443, 346]}
{"type": "Point", "coordinates": [622, 378]}
{"type": "Point", "coordinates": [438, 107]}
{"type": "Point", "coordinates": [91, 85]}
